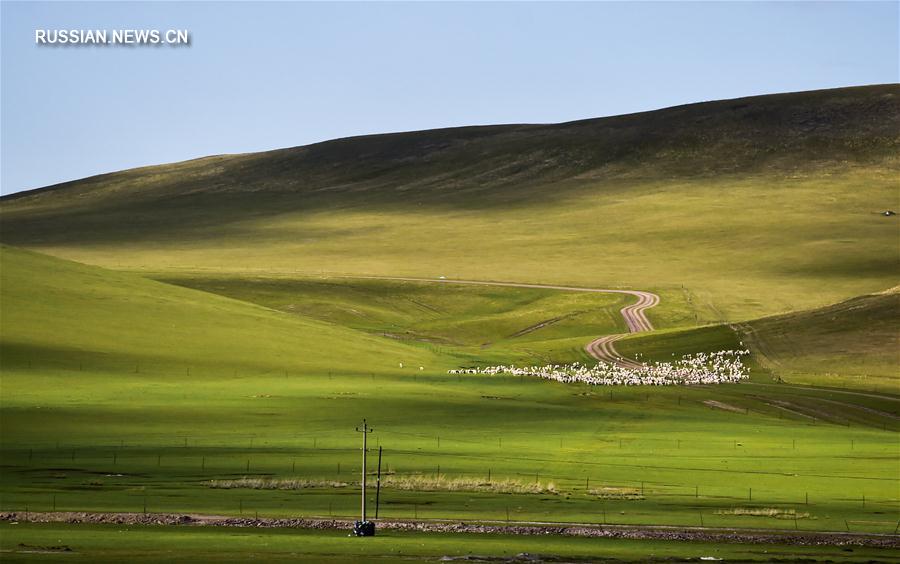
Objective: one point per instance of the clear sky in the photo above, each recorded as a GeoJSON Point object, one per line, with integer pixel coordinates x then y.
{"type": "Point", "coordinates": [260, 76]}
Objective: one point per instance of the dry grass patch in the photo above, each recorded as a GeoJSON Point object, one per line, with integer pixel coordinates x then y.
{"type": "Point", "coordinates": [775, 512]}
{"type": "Point", "coordinates": [414, 482]}
{"type": "Point", "coordinates": [274, 484]}
{"type": "Point", "coordinates": [609, 492]}
{"type": "Point", "coordinates": [440, 482]}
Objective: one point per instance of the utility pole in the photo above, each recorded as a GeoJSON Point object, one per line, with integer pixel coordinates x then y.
{"type": "Point", "coordinates": [378, 484]}
{"type": "Point", "coordinates": [364, 528]}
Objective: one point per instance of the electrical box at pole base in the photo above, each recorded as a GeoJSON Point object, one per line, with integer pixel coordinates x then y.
{"type": "Point", "coordinates": [364, 529]}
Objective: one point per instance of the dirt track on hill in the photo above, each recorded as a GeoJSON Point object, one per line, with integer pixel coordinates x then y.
{"type": "Point", "coordinates": [601, 348]}
{"type": "Point", "coordinates": [666, 533]}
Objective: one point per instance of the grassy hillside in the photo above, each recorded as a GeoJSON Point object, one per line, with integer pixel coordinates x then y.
{"type": "Point", "coordinates": [62, 314]}
{"type": "Point", "coordinates": [753, 207]}
{"type": "Point", "coordinates": [851, 344]}
{"type": "Point", "coordinates": [488, 324]}
{"type": "Point", "coordinates": [854, 343]}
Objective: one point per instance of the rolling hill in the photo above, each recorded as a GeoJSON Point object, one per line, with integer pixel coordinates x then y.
{"type": "Point", "coordinates": [510, 163]}
{"type": "Point", "coordinates": [63, 315]}
{"type": "Point", "coordinates": [748, 207]}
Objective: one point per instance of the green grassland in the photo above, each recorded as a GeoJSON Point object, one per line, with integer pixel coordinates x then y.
{"type": "Point", "coordinates": [25, 542]}
{"type": "Point", "coordinates": [90, 424]}
{"type": "Point", "coordinates": [489, 324]}
{"type": "Point", "coordinates": [226, 328]}
{"type": "Point", "coordinates": [852, 344]}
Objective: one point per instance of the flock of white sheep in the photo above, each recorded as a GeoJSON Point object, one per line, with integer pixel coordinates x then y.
{"type": "Point", "coordinates": [701, 368]}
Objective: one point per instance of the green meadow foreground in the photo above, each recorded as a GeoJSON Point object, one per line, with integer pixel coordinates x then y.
{"type": "Point", "coordinates": [213, 349]}
{"type": "Point", "coordinates": [24, 542]}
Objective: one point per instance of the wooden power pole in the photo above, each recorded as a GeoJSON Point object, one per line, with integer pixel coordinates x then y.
{"type": "Point", "coordinates": [363, 528]}
{"type": "Point", "coordinates": [378, 484]}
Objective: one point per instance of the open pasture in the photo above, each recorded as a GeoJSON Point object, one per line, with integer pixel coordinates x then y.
{"type": "Point", "coordinates": [185, 413]}
{"type": "Point", "coordinates": [682, 455]}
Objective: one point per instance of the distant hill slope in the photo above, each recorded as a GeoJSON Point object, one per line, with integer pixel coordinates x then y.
{"type": "Point", "coordinates": [753, 206]}
{"type": "Point", "coordinates": [780, 132]}
{"type": "Point", "coordinates": [63, 315]}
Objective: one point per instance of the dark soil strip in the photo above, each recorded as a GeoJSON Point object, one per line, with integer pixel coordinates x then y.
{"type": "Point", "coordinates": [595, 531]}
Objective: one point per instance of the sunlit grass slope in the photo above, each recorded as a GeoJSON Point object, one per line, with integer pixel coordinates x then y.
{"type": "Point", "coordinates": [60, 313]}
{"type": "Point", "coordinates": [755, 206]}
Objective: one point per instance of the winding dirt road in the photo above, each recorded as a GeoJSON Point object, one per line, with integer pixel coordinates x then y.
{"type": "Point", "coordinates": [601, 348]}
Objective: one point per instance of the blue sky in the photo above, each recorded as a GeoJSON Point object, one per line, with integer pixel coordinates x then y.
{"type": "Point", "coordinates": [260, 76]}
